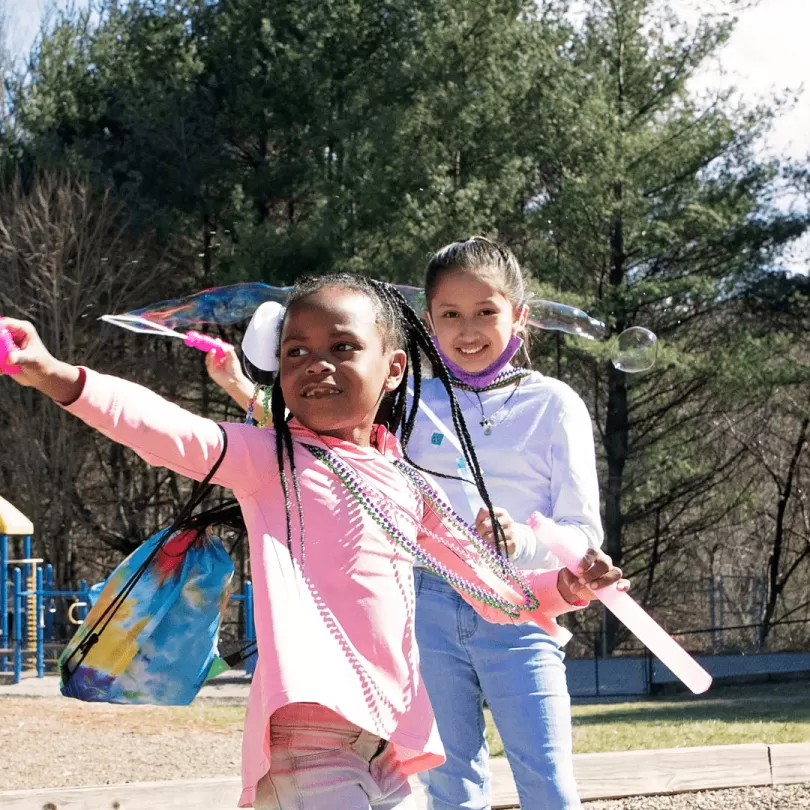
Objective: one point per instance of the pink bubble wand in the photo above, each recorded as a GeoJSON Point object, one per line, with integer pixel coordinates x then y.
{"type": "Point", "coordinates": [7, 346]}
{"type": "Point", "coordinates": [628, 611]}
{"type": "Point", "coordinates": [143, 326]}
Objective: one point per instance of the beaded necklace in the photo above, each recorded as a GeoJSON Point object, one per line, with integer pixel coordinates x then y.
{"type": "Point", "coordinates": [505, 377]}
{"type": "Point", "coordinates": [486, 556]}
{"type": "Point", "coordinates": [266, 394]}
{"type": "Point", "coordinates": [251, 405]}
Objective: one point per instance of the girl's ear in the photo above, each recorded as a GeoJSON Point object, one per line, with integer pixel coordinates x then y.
{"type": "Point", "coordinates": [397, 369]}
{"type": "Point", "coordinates": [520, 319]}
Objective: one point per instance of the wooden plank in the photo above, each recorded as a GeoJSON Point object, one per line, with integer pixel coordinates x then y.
{"type": "Point", "coordinates": [211, 794]}
{"type": "Point", "coordinates": [790, 763]}
{"type": "Point", "coordinates": [671, 770]}
{"type": "Point", "coordinates": [633, 773]}
{"type": "Point", "coordinates": [504, 792]}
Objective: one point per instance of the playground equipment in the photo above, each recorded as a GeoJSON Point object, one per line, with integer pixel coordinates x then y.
{"type": "Point", "coordinates": [23, 603]}
{"type": "Point", "coordinates": [31, 633]}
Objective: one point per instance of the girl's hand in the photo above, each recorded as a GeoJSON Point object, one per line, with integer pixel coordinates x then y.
{"type": "Point", "coordinates": [226, 371]}
{"type": "Point", "coordinates": [596, 570]}
{"type": "Point", "coordinates": [38, 367]}
{"type": "Point", "coordinates": [483, 525]}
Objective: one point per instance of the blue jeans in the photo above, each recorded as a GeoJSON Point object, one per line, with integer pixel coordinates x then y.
{"type": "Point", "coordinates": [518, 670]}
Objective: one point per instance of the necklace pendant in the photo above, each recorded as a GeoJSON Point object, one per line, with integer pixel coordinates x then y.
{"type": "Point", "coordinates": [487, 425]}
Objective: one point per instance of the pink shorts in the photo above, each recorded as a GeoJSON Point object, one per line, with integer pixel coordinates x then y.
{"type": "Point", "coordinates": [321, 761]}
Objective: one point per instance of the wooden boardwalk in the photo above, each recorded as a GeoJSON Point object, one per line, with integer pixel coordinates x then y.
{"type": "Point", "coordinates": [600, 776]}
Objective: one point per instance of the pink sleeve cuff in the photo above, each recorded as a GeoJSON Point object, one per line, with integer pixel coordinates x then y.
{"type": "Point", "coordinates": [544, 587]}
{"type": "Point", "coordinates": [82, 383]}
{"type": "Point", "coordinates": [84, 404]}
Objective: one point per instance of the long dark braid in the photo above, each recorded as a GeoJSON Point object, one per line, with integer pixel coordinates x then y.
{"type": "Point", "coordinates": [402, 327]}
{"type": "Point", "coordinates": [284, 442]}
{"type": "Point", "coordinates": [418, 340]}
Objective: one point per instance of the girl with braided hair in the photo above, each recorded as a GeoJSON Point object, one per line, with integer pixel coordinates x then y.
{"type": "Point", "coordinates": [338, 715]}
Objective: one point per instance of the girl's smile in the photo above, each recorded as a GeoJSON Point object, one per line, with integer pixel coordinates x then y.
{"type": "Point", "coordinates": [320, 391]}
{"type": "Point", "coordinates": [472, 351]}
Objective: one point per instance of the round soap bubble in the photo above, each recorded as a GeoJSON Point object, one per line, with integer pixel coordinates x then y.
{"type": "Point", "coordinates": [636, 350]}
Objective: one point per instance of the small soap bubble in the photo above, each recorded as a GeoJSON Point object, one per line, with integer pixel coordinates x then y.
{"type": "Point", "coordinates": [636, 350]}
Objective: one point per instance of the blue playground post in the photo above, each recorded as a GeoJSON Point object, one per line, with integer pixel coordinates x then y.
{"type": "Point", "coordinates": [18, 622]}
{"type": "Point", "coordinates": [47, 608]}
{"type": "Point", "coordinates": [250, 629]}
{"type": "Point", "coordinates": [13, 522]}
{"type": "Point", "coordinates": [40, 602]}
{"type": "Point", "coordinates": [84, 596]}
{"type": "Point", "coordinates": [4, 606]}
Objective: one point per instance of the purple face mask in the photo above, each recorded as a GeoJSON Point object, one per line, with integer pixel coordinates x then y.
{"type": "Point", "coordinates": [481, 379]}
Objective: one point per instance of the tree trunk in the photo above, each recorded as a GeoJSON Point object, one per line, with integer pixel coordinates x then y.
{"type": "Point", "coordinates": [616, 420]}
{"type": "Point", "coordinates": [776, 583]}
{"type": "Point", "coordinates": [615, 443]}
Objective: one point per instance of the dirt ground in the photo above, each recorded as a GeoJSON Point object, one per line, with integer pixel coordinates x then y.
{"type": "Point", "coordinates": [53, 742]}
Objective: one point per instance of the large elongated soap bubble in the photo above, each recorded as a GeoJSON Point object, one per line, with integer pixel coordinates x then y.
{"type": "Point", "coordinates": [635, 349]}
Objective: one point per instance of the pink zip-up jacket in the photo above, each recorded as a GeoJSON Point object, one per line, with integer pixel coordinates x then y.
{"type": "Point", "coordinates": [339, 629]}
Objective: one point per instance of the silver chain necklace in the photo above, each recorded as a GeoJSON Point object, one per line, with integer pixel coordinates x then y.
{"type": "Point", "coordinates": [488, 423]}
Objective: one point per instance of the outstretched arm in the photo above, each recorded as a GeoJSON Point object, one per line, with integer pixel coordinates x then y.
{"type": "Point", "coordinates": [162, 433]}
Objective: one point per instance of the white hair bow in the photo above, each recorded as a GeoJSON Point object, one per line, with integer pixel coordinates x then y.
{"type": "Point", "coordinates": [260, 343]}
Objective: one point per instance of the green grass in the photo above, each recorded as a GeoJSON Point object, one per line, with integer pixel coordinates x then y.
{"type": "Point", "coordinates": [724, 716]}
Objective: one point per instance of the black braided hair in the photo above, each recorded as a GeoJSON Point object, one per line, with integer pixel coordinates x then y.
{"type": "Point", "coordinates": [401, 327]}
{"type": "Point", "coordinates": [418, 341]}
{"type": "Point", "coordinates": [284, 442]}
